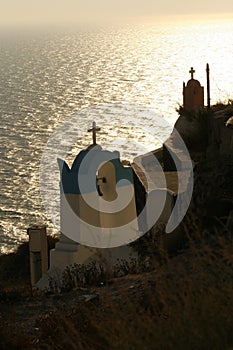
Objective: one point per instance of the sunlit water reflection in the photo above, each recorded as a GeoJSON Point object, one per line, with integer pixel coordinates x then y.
{"type": "Point", "coordinates": [49, 77]}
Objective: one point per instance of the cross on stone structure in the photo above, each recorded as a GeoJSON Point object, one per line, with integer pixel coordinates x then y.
{"type": "Point", "coordinates": [94, 131]}
{"type": "Point", "coordinates": [192, 71]}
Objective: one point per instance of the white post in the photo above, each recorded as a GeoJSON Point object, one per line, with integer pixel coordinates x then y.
{"type": "Point", "coordinates": [38, 249]}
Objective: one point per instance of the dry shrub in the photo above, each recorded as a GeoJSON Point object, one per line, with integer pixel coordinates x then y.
{"type": "Point", "coordinates": [12, 338]}
{"type": "Point", "coordinates": [186, 304]}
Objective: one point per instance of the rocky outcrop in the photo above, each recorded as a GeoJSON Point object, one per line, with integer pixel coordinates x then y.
{"type": "Point", "coordinates": [210, 143]}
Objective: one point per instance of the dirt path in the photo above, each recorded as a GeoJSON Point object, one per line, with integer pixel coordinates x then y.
{"type": "Point", "coordinates": [22, 312]}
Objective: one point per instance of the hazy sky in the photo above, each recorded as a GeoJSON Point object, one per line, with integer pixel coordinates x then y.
{"type": "Point", "coordinates": [64, 11]}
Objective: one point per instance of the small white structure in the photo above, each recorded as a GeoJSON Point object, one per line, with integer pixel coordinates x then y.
{"type": "Point", "coordinates": [98, 209]}
{"type": "Point", "coordinates": [193, 94]}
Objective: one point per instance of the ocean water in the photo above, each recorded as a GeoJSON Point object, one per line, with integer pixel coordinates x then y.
{"type": "Point", "coordinates": [127, 78]}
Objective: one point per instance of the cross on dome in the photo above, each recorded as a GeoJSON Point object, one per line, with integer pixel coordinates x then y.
{"type": "Point", "coordinates": [94, 130]}
{"type": "Point", "coordinates": [192, 71]}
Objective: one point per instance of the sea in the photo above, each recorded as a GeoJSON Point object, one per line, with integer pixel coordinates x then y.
{"type": "Point", "coordinates": [128, 78]}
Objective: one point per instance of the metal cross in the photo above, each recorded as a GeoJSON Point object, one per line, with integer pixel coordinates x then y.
{"type": "Point", "coordinates": [94, 131]}
{"type": "Point", "coordinates": [192, 71]}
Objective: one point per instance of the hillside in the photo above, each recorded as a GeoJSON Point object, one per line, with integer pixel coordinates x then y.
{"type": "Point", "coordinates": [179, 300]}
